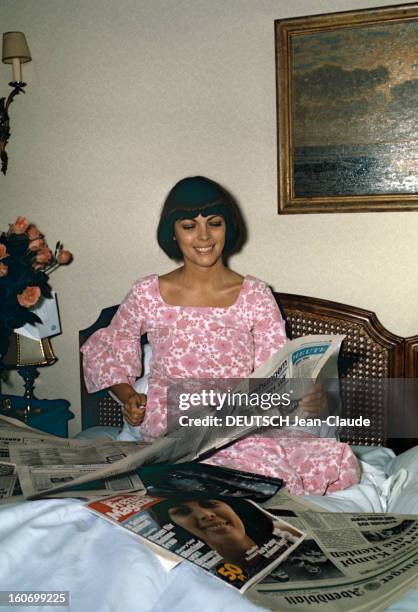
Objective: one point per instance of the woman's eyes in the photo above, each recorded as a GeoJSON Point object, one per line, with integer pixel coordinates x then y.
{"type": "Point", "coordinates": [180, 511]}
{"type": "Point", "coordinates": [210, 503]}
{"type": "Point", "coordinates": [212, 223]}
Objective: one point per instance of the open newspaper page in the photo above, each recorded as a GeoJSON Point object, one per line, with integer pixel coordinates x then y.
{"type": "Point", "coordinates": [13, 431]}
{"type": "Point", "coordinates": [34, 461]}
{"type": "Point", "coordinates": [301, 359]}
{"type": "Point", "coordinates": [231, 538]}
{"type": "Point", "coordinates": [40, 480]}
{"type": "Point", "coordinates": [43, 479]}
{"type": "Point", "coordinates": [206, 415]}
{"type": "Point", "coordinates": [43, 467]}
{"type": "Point", "coordinates": [347, 562]}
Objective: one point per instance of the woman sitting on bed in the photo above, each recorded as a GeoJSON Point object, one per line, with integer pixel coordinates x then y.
{"type": "Point", "coordinates": [205, 321]}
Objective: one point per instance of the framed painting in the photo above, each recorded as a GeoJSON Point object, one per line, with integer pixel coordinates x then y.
{"type": "Point", "coordinates": [347, 111]}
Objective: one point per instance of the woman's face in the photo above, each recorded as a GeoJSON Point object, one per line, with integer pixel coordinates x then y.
{"type": "Point", "coordinates": [211, 520]}
{"type": "Point", "coordinates": [201, 240]}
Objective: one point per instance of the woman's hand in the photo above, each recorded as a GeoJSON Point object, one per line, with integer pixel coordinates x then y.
{"type": "Point", "coordinates": [315, 402]}
{"type": "Point", "coordinates": [133, 403]}
{"type": "Point", "coordinates": [134, 408]}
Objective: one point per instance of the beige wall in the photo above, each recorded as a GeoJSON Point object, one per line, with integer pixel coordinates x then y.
{"type": "Point", "coordinates": [127, 96]}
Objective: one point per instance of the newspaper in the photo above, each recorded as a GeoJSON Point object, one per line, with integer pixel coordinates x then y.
{"type": "Point", "coordinates": [8, 479]}
{"type": "Point", "coordinates": [101, 452]}
{"type": "Point", "coordinates": [13, 431]}
{"type": "Point", "coordinates": [44, 478]}
{"type": "Point", "coordinates": [231, 538]}
{"type": "Point", "coordinates": [28, 455]}
{"type": "Point", "coordinates": [304, 359]}
{"type": "Point", "coordinates": [347, 562]}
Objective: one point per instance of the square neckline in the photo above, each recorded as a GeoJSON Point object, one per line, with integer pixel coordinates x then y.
{"type": "Point", "coordinates": [233, 305]}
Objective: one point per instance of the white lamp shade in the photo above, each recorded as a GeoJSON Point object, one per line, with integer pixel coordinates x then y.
{"type": "Point", "coordinates": [15, 47]}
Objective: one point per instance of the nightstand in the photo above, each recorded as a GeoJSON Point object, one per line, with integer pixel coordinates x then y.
{"type": "Point", "coordinates": [51, 416]}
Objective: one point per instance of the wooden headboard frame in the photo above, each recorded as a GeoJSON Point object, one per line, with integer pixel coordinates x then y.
{"type": "Point", "coordinates": [411, 357]}
{"type": "Point", "coordinates": [369, 351]}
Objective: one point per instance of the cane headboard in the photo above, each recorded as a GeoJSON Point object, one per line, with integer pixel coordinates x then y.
{"type": "Point", "coordinates": [368, 351]}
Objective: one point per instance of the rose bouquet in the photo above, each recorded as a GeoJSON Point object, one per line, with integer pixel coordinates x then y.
{"type": "Point", "coordinates": [25, 264]}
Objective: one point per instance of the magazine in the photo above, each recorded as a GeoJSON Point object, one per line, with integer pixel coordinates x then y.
{"type": "Point", "coordinates": [162, 480]}
{"type": "Point", "coordinates": [231, 538]}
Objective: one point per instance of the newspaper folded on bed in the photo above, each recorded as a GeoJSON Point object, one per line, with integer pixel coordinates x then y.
{"type": "Point", "coordinates": [302, 359]}
{"type": "Point", "coordinates": [229, 537]}
{"type": "Point", "coordinates": [30, 455]}
{"type": "Point", "coordinates": [346, 563]}
{"type": "Point", "coordinates": [13, 431]}
{"type": "Point", "coordinates": [45, 466]}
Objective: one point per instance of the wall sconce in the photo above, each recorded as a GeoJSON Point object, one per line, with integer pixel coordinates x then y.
{"type": "Point", "coordinates": [15, 52]}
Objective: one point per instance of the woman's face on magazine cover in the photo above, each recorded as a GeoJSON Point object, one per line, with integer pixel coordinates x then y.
{"type": "Point", "coordinates": [210, 520]}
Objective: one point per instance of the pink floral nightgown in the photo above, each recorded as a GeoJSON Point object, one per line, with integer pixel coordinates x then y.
{"type": "Point", "coordinates": [212, 342]}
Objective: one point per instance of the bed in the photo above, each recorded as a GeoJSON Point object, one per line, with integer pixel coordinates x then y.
{"type": "Point", "coordinates": [58, 545]}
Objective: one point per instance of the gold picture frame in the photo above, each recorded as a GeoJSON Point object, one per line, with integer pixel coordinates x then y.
{"type": "Point", "coordinates": [347, 111]}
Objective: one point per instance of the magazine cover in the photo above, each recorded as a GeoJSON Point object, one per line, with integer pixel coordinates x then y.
{"type": "Point", "coordinates": [229, 537]}
{"type": "Point", "coordinates": [163, 480]}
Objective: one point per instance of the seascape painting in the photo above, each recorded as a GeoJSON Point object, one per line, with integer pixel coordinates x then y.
{"type": "Point", "coordinates": [355, 111]}
{"type": "Point", "coordinates": [348, 111]}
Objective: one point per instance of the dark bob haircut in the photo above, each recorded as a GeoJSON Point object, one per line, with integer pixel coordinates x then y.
{"type": "Point", "coordinates": [194, 196]}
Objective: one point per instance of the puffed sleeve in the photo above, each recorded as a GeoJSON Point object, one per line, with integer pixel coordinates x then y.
{"type": "Point", "coordinates": [268, 328]}
{"type": "Point", "coordinates": [112, 355]}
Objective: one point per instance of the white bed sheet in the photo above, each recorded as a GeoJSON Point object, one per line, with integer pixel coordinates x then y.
{"type": "Point", "coordinates": [389, 483]}
{"type": "Point", "coordinates": [58, 545]}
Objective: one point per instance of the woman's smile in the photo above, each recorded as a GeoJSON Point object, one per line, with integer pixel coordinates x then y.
{"type": "Point", "coordinates": [216, 526]}
{"type": "Point", "coordinates": [204, 250]}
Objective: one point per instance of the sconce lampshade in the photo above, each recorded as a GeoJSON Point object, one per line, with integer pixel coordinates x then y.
{"type": "Point", "coordinates": [15, 47]}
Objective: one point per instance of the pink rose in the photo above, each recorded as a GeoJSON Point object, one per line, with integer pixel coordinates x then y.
{"type": "Point", "coordinates": [3, 269]}
{"type": "Point", "coordinates": [64, 257]}
{"type": "Point", "coordinates": [36, 244]}
{"type": "Point", "coordinates": [33, 232]}
{"type": "Point", "coordinates": [44, 255]}
{"type": "Point", "coordinates": [3, 251]}
{"type": "Point", "coordinates": [29, 296]}
{"type": "Point", "coordinates": [19, 226]}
